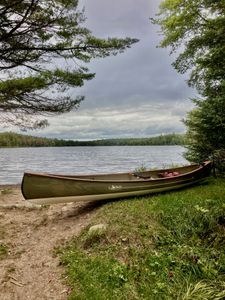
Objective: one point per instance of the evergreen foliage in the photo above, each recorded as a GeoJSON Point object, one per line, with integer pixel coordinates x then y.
{"type": "Point", "coordinates": [197, 29]}
{"type": "Point", "coordinates": [42, 47]}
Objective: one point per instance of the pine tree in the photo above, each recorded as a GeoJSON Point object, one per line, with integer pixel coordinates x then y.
{"type": "Point", "coordinates": [42, 47]}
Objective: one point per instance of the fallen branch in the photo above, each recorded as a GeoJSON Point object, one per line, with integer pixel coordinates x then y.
{"type": "Point", "coordinates": [13, 280]}
{"type": "Point", "coordinates": [21, 206]}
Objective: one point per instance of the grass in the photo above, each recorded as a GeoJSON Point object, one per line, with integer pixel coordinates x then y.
{"type": "Point", "coordinates": [6, 191]}
{"type": "Point", "coordinates": [3, 247]}
{"type": "Point", "coordinates": [2, 232]}
{"type": "Point", "coordinates": [168, 246]}
{"type": "Point", "coordinates": [3, 251]}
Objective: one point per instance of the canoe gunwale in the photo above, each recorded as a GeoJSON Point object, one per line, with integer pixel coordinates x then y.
{"type": "Point", "coordinates": [66, 177]}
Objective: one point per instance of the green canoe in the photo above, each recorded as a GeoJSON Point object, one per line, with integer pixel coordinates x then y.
{"type": "Point", "coordinates": [50, 188]}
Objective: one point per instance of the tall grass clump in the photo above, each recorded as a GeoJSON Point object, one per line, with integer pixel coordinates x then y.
{"type": "Point", "coordinates": [3, 251]}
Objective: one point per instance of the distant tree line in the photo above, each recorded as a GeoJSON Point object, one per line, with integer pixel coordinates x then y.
{"type": "Point", "coordinates": [10, 139]}
{"type": "Point", "coordinates": [168, 139]}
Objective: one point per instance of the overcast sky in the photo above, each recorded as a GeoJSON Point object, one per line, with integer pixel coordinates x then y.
{"type": "Point", "coordinates": [135, 94]}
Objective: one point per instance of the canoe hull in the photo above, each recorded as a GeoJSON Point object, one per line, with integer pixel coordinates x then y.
{"type": "Point", "coordinates": [100, 187]}
{"type": "Point", "coordinates": [101, 197]}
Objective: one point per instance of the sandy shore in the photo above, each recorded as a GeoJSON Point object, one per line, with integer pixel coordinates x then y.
{"type": "Point", "coordinates": [30, 270]}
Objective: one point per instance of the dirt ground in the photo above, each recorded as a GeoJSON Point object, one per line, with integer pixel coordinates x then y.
{"type": "Point", "coordinates": [30, 270]}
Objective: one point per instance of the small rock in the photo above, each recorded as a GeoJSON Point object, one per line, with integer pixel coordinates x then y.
{"type": "Point", "coordinates": [67, 210]}
{"type": "Point", "coordinates": [64, 209]}
{"type": "Point", "coordinates": [98, 227]}
{"type": "Point", "coordinates": [34, 206]}
{"type": "Point", "coordinates": [67, 207]}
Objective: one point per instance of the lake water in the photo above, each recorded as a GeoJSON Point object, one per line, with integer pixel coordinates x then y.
{"type": "Point", "coordinates": [70, 160]}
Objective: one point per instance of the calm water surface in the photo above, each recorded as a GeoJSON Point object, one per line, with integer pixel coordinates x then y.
{"type": "Point", "coordinates": [70, 160]}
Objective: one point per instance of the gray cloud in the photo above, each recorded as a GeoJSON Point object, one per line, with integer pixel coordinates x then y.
{"type": "Point", "coordinates": [134, 94]}
{"type": "Point", "coordinates": [139, 121]}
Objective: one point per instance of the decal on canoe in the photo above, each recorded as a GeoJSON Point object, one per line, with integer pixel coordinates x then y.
{"type": "Point", "coordinates": [115, 187]}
